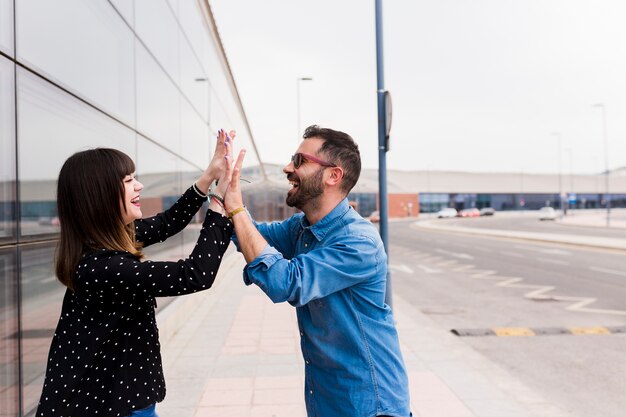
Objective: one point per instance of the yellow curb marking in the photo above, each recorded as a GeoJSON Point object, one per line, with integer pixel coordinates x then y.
{"type": "Point", "coordinates": [513, 331]}
{"type": "Point", "coordinates": [589, 330]}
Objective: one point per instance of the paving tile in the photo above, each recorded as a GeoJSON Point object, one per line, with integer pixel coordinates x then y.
{"type": "Point", "coordinates": [221, 397]}
{"type": "Point", "coordinates": [278, 396]}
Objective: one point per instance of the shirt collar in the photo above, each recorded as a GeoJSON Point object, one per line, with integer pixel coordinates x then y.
{"type": "Point", "coordinates": [322, 227]}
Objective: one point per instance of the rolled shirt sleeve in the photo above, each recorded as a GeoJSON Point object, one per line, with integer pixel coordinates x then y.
{"type": "Point", "coordinates": [316, 274]}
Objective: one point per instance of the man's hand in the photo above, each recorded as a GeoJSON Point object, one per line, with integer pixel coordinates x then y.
{"type": "Point", "coordinates": [233, 198]}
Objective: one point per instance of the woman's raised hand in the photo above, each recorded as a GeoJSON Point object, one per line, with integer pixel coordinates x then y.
{"type": "Point", "coordinates": [226, 175]}
{"type": "Point", "coordinates": [218, 164]}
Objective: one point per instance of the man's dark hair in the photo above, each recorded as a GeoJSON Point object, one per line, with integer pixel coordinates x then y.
{"type": "Point", "coordinates": [340, 149]}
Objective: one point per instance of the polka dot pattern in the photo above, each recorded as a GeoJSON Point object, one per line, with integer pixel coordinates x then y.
{"type": "Point", "coordinates": [105, 354]}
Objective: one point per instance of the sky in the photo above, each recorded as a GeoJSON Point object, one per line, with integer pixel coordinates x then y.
{"type": "Point", "coordinates": [476, 85]}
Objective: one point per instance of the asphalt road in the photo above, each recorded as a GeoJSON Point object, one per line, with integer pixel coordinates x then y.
{"type": "Point", "coordinates": [529, 222]}
{"type": "Point", "coordinates": [475, 282]}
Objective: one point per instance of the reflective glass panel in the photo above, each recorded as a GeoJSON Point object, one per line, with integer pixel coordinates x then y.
{"type": "Point", "coordinates": [9, 401]}
{"type": "Point", "coordinates": [158, 171]}
{"type": "Point", "coordinates": [93, 38]}
{"type": "Point", "coordinates": [193, 81]}
{"type": "Point", "coordinates": [7, 151]}
{"type": "Point", "coordinates": [156, 26]}
{"type": "Point", "coordinates": [52, 126]}
{"type": "Point", "coordinates": [127, 9]}
{"type": "Point", "coordinates": [158, 103]}
{"type": "Point", "coordinates": [6, 26]}
{"type": "Point", "coordinates": [191, 21]}
{"type": "Point", "coordinates": [42, 295]}
{"type": "Point", "coordinates": [196, 142]}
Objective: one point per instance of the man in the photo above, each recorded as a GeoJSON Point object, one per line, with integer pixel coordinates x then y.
{"type": "Point", "coordinates": [330, 264]}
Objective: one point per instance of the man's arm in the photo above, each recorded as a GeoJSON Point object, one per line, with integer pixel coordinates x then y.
{"type": "Point", "coordinates": [251, 242]}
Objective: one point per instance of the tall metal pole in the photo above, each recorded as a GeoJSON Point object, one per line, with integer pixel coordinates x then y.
{"type": "Point", "coordinates": [607, 196]}
{"type": "Point", "coordinates": [382, 149]}
{"type": "Point", "coordinates": [558, 137]}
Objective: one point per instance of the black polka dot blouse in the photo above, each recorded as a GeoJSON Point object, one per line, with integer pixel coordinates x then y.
{"type": "Point", "coordinates": [105, 355]}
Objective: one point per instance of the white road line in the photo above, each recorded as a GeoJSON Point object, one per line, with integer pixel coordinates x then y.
{"type": "Point", "coordinates": [481, 249]}
{"type": "Point", "coordinates": [560, 252]}
{"type": "Point", "coordinates": [401, 268]}
{"type": "Point", "coordinates": [608, 271]}
{"type": "Point", "coordinates": [513, 254]}
{"type": "Point", "coordinates": [556, 252]}
{"type": "Point", "coordinates": [456, 255]}
{"type": "Point", "coordinates": [553, 261]}
{"type": "Point", "coordinates": [429, 270]}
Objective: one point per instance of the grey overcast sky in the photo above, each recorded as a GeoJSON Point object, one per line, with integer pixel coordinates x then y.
{"type": "Point", "coordinates": [477, 85]}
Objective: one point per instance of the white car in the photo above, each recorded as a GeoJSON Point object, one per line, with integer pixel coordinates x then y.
{"type": "Point", "coordinates": [547, 213]}
{"type": "Point", "coordinates": [447, 212]}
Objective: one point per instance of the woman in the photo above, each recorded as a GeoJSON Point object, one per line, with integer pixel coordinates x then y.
{"type": "Point", "coordinates": [105, 358]}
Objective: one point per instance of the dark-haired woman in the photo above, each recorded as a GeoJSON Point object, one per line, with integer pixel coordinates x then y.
{"type": "Point", "coordinates": [105, 354]}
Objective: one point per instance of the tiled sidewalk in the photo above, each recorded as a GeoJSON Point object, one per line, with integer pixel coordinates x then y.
{"type": "Point", "coordinates": [230, 352]}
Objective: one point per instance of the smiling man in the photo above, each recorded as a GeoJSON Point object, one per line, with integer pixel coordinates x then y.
{"type": "Point", "coordinates": [331, 265]}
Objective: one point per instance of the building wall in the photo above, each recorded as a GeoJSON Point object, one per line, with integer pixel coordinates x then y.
{"type": "Point", "coordinates": [403, 205]}
{"type": "Point", "coordinates": [147, 77]}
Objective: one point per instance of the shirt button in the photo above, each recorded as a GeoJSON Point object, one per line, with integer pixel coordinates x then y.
{"type": "Point", "coordinates": [311, 392]}
{"type": "Point", "coordinates": [306, 245]}
{"type": "Point", "coordinates": [307, 362]}
{"type": "Point", "coordinates": [301, 334]}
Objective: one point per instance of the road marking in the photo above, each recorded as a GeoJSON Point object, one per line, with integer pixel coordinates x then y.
{"type": "Point", "coordinates": [429, 270]}
{"type": "Point", "coordinates": [556, 252]}
{"type": "Point", "coordinates": [589, 330]}
{"type": "Point", "coordinates": [513, 331]}
{"type": "Point", "coordinates": [553, 261]}
{"type": "Point", "coordinates": [608, 271]}
{"type": "Point", "coordinates": [513, 254]}
{"type": "Point", "coordinates": [481, 249]}
{"type": "Point", "coordinates": [456, 255]}
{"type": "Point", "coordinates": [401, 268]}
{"type": "Point", "coordinates": [541, 331]}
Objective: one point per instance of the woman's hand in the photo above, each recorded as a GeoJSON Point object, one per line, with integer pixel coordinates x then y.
{"type": "Point", "coordinates": [217, 166]}
{"type": "Point", "coordinates": [226, 174]}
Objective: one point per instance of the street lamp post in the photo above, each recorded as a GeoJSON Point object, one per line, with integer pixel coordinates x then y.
{"type": "Point", "coordinates": [569, 152]}
{"type": "Point", "coordinates": [606, 163]}
{"type": "Point", "coordinates": [299, 135]}
{"type": "Point", "coordinates": [558, 137]}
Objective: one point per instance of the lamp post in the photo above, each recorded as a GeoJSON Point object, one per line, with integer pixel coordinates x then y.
{"type": "Point", "coordinates": [298, 100]}
{"type": "Point", "coordinates": [606, 163]}
{"type": "Point", "coordinates": [558, 141]}
{"type": "Point", "coordinates": [570, 154]}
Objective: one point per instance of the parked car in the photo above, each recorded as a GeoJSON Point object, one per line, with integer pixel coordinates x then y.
{"type": "Point", "coordinates": [469, 212]}
{"type": "Point", "coordinates": [547, 213]}
{"type": "Point", "coordinates": [447, 212]}
{"type": "Point", "coordinates": [487, 211]}
{"type": "Point", "coordinates": [374, 217]}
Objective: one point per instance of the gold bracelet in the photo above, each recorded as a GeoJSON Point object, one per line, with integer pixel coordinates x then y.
{"type": "Point", "coordinates": [235, 211]}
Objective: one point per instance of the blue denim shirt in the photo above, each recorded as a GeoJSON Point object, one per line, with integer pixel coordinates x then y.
{"type": "Point", "coordinates": [334, 273]}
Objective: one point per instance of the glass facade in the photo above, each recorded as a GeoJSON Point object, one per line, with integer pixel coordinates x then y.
{"type": "Point", "coordinates": [147, 77]}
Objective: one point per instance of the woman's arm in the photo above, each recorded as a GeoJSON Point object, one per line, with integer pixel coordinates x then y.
{"type": "Point", "coordinates": [120, 274]}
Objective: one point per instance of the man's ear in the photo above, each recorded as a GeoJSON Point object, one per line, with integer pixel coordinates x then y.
{"type": "Point", "coordinates": [336, 175]}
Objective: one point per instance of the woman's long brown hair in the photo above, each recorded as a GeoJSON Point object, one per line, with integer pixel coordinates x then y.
{"type": "Point", "coordinates": [90, 195]}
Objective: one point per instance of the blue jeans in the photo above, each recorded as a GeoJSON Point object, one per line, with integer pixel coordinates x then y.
{"type": "Point", "coordinates": [146, 412]}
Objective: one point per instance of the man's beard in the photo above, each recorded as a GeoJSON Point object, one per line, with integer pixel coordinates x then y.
{"type": "Point", "coordinates": [307, 191]}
